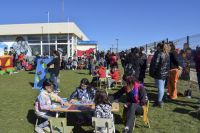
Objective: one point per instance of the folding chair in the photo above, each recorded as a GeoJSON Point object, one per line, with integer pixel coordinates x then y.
{"type": "Point", "coordinates": [118, 84]}
{"type": "Point", "coordinates": [59, 125]}
{"type": "Point", "coordinates": [108, 124]}
{"type": "Point", "coordinates": [101, 80]}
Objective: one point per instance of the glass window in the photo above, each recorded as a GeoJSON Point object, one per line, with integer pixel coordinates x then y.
{"type": "Point", "coordinates": [52, 38]}
{"type": "Point", "coordinates": [46, 49]}
{"type": "Point", "coordinates": [34, 39]}
{"type": "Point", "coordinates": [62, 47]}
{"type": "Point", "coordinates": [35, 49]}
{"type": "Point", "coordinates": [70, 50]}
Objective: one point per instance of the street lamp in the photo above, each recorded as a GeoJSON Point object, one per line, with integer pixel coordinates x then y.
{"type": "Point", "coordinates": [117, 45]}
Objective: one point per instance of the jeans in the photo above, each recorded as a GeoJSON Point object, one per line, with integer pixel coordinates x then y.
{"type": "Point", "coordinates": [160, 84]}
{"type": "Point", "coordinates": [54, 79]}
{"type": "Point", "coordinates": [45, 117]}
{"type": "Point", "coordinates": [131, 112]}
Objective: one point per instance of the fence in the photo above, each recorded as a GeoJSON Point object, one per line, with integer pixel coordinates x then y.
{"type": "Point", "coordinates": [193, 41]}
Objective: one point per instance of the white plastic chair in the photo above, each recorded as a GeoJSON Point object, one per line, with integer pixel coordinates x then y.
{"type": "Point", "coordinates": [108, 124]}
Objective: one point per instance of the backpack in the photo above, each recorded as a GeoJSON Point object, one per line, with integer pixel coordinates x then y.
{"type": "Point", "coordinates": [188, 93]}
{"type": "Point", "coordinates": [129, 70]}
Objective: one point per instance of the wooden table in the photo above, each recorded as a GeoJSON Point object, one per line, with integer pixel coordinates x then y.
{"type": "Point", "coordinates": [81, 108]}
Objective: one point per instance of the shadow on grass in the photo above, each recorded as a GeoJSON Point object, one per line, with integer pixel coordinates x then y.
{"type": "Point", "coordinates": [31, 72]}
{"type": "Point", "coordinates": [81, 73]}
{"type": "Point", "coordinates": [31, 117]}
{"type": "Point", "coordinates": [194, 114]}
{"type": "Point", "coordinates": [146, 85]}
{"type": "Point", "coordinates": [184, 103]}
{"type": "Point", "coordinates": [31, 84]}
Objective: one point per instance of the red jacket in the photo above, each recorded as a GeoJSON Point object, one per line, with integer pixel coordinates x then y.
{"type": "Point", "coordinates": [113, 59]}
{"type": "Point", "coordinates": [101, 72]}
{"type": "Point", "coordinates": [115, 75]}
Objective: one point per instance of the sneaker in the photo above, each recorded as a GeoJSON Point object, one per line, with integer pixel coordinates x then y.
{"type": "Point", "coordinates": [160, 104]}
{"type": "Point", "coordinates": [39, 130]}
{"type": "Point", "coordinates": [47, 129]}
{"type": "Point", "coordinates": [126, 129]}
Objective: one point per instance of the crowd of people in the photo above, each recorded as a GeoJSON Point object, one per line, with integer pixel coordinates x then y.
{"type": "Point", "coordinates": [167, 65]}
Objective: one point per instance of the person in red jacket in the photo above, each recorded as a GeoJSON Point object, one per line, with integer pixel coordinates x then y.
{"type": "Point", "coordinates": [113, 59]}
{"type": "Point", "coordinates": [115, 76]}
{"type": "Point", "coordinates": [101, 71]}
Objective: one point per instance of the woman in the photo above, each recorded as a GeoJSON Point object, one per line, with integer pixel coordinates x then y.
{"type": "Point", "coordinates": [173, 73]}
{"type": "Point", "coordinates": [160, 70]}
{"type": "Point", "coordinates": [136, 98]}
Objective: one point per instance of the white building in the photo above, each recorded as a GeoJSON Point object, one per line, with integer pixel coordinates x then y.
{"type": "Point", "coordinates": [42, 37]}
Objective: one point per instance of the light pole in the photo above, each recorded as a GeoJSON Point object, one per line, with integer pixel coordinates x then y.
{"type": "Point", "coordinates": [117, 45]}
{"type": "Point", "coordinates": [48, 32]}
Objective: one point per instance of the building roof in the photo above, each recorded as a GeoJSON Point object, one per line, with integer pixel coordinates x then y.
{"type": "Point", "coordinates": [42, 28]}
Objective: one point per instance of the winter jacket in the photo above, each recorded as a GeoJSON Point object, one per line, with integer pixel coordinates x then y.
{"type": "Point", "coordinates": [115, 75]}
{"type": "Point", "coordinates": [197, 62]}
{"type": "Point", "coordinates": [101, 72]}
{"type": "Point", "coordinates": [161, 66]}
{"type": "Point", "coordinates": [174, 63]}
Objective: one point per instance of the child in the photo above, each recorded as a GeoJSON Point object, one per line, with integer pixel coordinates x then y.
{"type": "Point", "coordinates": [74, 64]}
{"type": "Point", "coordinates": [43, 104]}
{"type": "Point", "coordinates": [103, 107]}
{"type": "Point", "coordinates": [84, 92]}
{"type": "Point", "coordinates": [100, 73]}
{"type": "Point", "coordinates": [115, 76]}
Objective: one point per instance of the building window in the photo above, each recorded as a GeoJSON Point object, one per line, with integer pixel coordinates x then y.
{"type": "Point", "coordinates": [63, 48]}
{"type": "Point", "coordinates": [34, 39]}
{"type": "Point", "coordinates": [70, 50]}
{"type": "Point", "coordinates": [36, 49]}
{"type": "Point", "coordinates": [51, 39]}
{"type": "Point", "coordinates": [46, 49]}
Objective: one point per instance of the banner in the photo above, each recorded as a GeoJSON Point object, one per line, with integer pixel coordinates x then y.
{"type": "Point", "coordinates": [6, 62]}
{"type": "Point", "coordinates": [41, 72]}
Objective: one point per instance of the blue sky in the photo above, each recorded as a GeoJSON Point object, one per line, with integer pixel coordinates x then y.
{"type": "Point", "coordinates": [133, 22]}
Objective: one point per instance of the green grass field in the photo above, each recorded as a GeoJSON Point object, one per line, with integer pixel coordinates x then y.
{"type": "Point", "coordinates": [17, 110]}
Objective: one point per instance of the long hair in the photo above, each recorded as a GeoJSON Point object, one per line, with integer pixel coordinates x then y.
{"type": "Point", "coordinates": [101, 97]}
{"type": "Point", "coordinates": [130, 80]}
{"type": "Point", "coordinates": [165, 48]}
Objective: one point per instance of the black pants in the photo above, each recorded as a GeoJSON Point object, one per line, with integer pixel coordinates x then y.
{"type": "Point", "coordinates": [131, 112]}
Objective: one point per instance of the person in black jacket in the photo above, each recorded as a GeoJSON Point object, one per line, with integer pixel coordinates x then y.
{"type": "Point", "coordinates": [160, 71]}
{"type": "Point", "coordinates": [143, 65]}
{"type": "Point", "coordinates": [54, 68]}
{"type": "Point", "coordinates": [173, 73]}
{"type": "Point", "coordinates": [133, 62]}
{"type": "Point", "coordinates": [136, 98]}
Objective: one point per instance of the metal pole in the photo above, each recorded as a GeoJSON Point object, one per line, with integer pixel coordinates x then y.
{"type": "Point", "coordinates": [117, 44]}
{"type": "Point", "coordinates": [48, 33]}
{"type": "Point", "coordinates": [63, 10]}
{"type": "Point", "coordinates": [188, 40]}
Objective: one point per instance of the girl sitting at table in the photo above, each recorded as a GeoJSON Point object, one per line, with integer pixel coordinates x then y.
{"type": "Point", "coordinates": [136, 99]}
{"type": "Point", "coordinates": [43, 104]}
{"type": "Point", "coordinates": [103, 107]}
{"type": "Point", "coordinates": [84, 92]}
